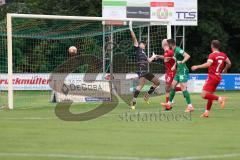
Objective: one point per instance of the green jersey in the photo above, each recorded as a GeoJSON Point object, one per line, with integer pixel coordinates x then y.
{"type": "Point", "coordinates": [181, 68]}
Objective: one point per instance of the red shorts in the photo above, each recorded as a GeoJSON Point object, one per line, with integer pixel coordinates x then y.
{"type": "Point", "coordinates": [211, 83]}
{"type": "Point", "coordinates": [169, 78]}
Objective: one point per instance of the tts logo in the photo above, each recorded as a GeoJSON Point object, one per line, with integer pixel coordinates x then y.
{"type": "Point", "coordinates": [186, 15]}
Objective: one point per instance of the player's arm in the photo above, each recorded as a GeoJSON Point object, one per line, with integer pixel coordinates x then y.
{"type": "Point", "coordinates": [135, 41]}
{"type": "Point", "coordinates": [153, 57]}
{"type": "Point", "coordinates": [202, 66]}
{"type": "Point", "coordinates": [228, 65]}
{"type": "Point", "coordinates": [186, 58]}
{"type": "Point", "coordinates": [174, 67]}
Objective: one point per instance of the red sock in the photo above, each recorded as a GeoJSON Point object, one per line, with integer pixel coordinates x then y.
{"type": "Point", "coordinates": [211, 97]}
{"type": "Point", "coordinates": [167, 99]}
{"type": "Point", "coordinates": [209, 105]}
{"type": "Point", "coordinates": [177, 89]}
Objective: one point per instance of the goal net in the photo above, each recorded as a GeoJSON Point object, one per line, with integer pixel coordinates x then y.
{"type": "Point", "coordinates": [35, 54]}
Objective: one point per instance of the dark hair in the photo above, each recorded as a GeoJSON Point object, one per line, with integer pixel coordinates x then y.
{"type": "Point", "coordinates": [142, 42]}
{"type": "Point", "coordinates": [171, 43]}
{"type": "Point", "coordinates": [216, 44]}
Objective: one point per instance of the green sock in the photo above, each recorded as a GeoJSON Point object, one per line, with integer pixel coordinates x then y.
{"type": "Point", "coordinates": [187, 97]}
{"type": "Point", "coordinates": [172, 95]}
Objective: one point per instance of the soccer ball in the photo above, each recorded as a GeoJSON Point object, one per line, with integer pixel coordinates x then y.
{"type": "Point", "coordinates": [72, 50]}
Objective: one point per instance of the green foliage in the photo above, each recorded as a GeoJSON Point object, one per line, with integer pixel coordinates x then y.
{"type": "Point", "coordinates": [218, 19]}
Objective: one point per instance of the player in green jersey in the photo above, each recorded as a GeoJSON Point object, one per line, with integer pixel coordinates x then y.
{"type": "Point", "coordinates": [181, 76]}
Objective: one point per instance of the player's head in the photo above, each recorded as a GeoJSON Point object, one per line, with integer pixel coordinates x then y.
{"type": "Point", "coordinates": [165, 44]}
{"type": "Point", "coordinates": [215, 45]}
{"type": "Point", "coordinates": [142, 44]}
{"type": "Point", "coordinates": [171, 43]}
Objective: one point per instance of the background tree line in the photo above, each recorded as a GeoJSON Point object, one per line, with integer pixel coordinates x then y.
{"type": "Point", "coordinates": [218, 19]}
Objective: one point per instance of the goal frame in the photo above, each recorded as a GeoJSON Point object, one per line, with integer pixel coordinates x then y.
{"type": "Point", "coordinates": [10, 16]}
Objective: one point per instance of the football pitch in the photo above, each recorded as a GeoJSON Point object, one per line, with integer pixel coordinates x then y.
{"type": "Point", "coordinates": [34, 132]}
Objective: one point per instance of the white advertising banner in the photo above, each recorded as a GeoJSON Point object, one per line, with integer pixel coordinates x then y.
{"type": "Point", "coordinates": [186, 13]}
{"type": "Point", "coordinates": [162, 9]}
{"type": "Point", "coordinates": [2, 2]}
{"type": "Point", "coordinates": [114, 12]}
{"type": "Point", "coordinates": [39, 81]}
{"type": "Point", "coordinates": [138, 3]}
{"type": "Point", "coordinates": [178, 12]}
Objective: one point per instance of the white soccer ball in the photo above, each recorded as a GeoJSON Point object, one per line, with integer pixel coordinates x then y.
{"type": "Point", "coordinates": [72, 50]}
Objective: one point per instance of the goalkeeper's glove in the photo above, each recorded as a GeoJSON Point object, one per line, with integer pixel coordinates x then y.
{"type": "Point", "coordinates": [130, 26]}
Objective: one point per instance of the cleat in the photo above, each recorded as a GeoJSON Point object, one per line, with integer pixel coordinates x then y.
{"type": "Point", "coordinates": [133, 105]}
{"type": "Point", "coordinates": [189, 109]}
{"type": "Point", "coordinates": [205, 114]}
{"type": "Point", "coordinates": [222, 102]}
{"type": "Point", "coordinates": [146, 99]}
{"type": "Point", "coordinates": [132, 108]}
{"type": "Point", "coordinates": [166, 106]}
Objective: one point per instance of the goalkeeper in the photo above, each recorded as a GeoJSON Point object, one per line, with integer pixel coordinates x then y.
{"type": "Point", "coordinates": [143, 65]}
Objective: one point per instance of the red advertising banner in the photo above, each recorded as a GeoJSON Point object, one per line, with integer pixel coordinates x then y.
{"type": "Point", "coordinates": [162, 4]}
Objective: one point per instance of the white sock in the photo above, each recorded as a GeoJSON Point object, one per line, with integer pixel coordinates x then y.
{"type": "Point", "coordinates": [190, 105]}
{"type": "Point", "coordinates": [220, 99]}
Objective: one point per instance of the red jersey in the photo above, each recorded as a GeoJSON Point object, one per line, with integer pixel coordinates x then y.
{"type": "Point", "coordinates": [218, 60]}
{"type": "Point", "coordinates": [169, 63]}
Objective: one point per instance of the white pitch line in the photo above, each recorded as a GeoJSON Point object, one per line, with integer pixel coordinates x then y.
{"type": "Point", "coordinates": [106, 115]}
{"type": "Point", "coordinates": [95, 157]}
{"type": "Point", "coordinates": [30, 118]}
{"type": "Point", "coordinates": [223, 156]}
{"type": "Point", "coordinates": [66, 156]}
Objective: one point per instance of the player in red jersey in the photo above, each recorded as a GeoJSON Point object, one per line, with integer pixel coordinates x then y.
{"type": "Point", "coordinates": [217, 63]}
{"type": "Point", "coordinates": [170, 67]}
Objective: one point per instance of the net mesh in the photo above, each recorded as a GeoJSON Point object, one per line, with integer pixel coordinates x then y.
{"type": "Point", "coordinates": [41, 46]}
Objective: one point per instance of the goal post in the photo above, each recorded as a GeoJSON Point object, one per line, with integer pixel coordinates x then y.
{"type": "Point", "coordinates": [10, 65]}
{"type": "Point", "coordinates": [82, 32]}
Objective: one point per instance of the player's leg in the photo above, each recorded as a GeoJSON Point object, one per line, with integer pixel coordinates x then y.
{"type": "Point", "coordinates": [208, 94]}
{"type": "Point", "coordinates": [209, 103]}
{"type": "Point", "coordinates": [187, 97]}
{"type": "Point", "coordinates": [168, 105]}
{"type": "Point", "coordinates": [167, 89]}
{"type": "Point", "coordinates": [141, 83]}
{"type": "Point", "coordinates": [168, 83]}
{"type": "Point", "coordinates": [155, 82]}
{"type": "Point", "coordinates": [173, 89]}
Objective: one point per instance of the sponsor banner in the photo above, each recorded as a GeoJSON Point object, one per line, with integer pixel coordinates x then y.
{"type": "Point", "coordinates": [2, 2]}
{"type": "Point", "coordinates": [162, 4]}
{"type": "Point", "coordinates": [162, 10]}
{"type": "Point", "coordinates": [138, 12]}
{"type": "Point", "coordinates": [138, 3]}
{"type": "Point", "coordinates": [178, 12]}
{"type": "Point", "coordinates": [186, 13]}
{"type": "Point", "coordinates": [114, 3]}
{"type": "Point", "coordinates": [41, 81]}
{"type": "Point", "coordinates": [84, 92]}
{"type": "Point", "coordinates": [114, 8]}
{"type": "Point", "coordinates": [229, 81]}
{"type": "Point", "coordinates": [114, 12]}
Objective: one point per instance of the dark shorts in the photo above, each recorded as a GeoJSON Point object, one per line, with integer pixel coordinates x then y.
{"type": "Point", "coordinates": [149, 76]}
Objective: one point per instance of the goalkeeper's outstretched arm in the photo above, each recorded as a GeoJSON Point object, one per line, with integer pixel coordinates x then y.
{"type": "Point", "coordinates": [135, 41]}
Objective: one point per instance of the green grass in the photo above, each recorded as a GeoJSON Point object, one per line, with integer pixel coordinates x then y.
{"type": "Point", "coordinates": [32, 131]}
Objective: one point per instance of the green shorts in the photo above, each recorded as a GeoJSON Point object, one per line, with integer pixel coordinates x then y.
{"type": "Point", "coordinates": [181, 78]}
